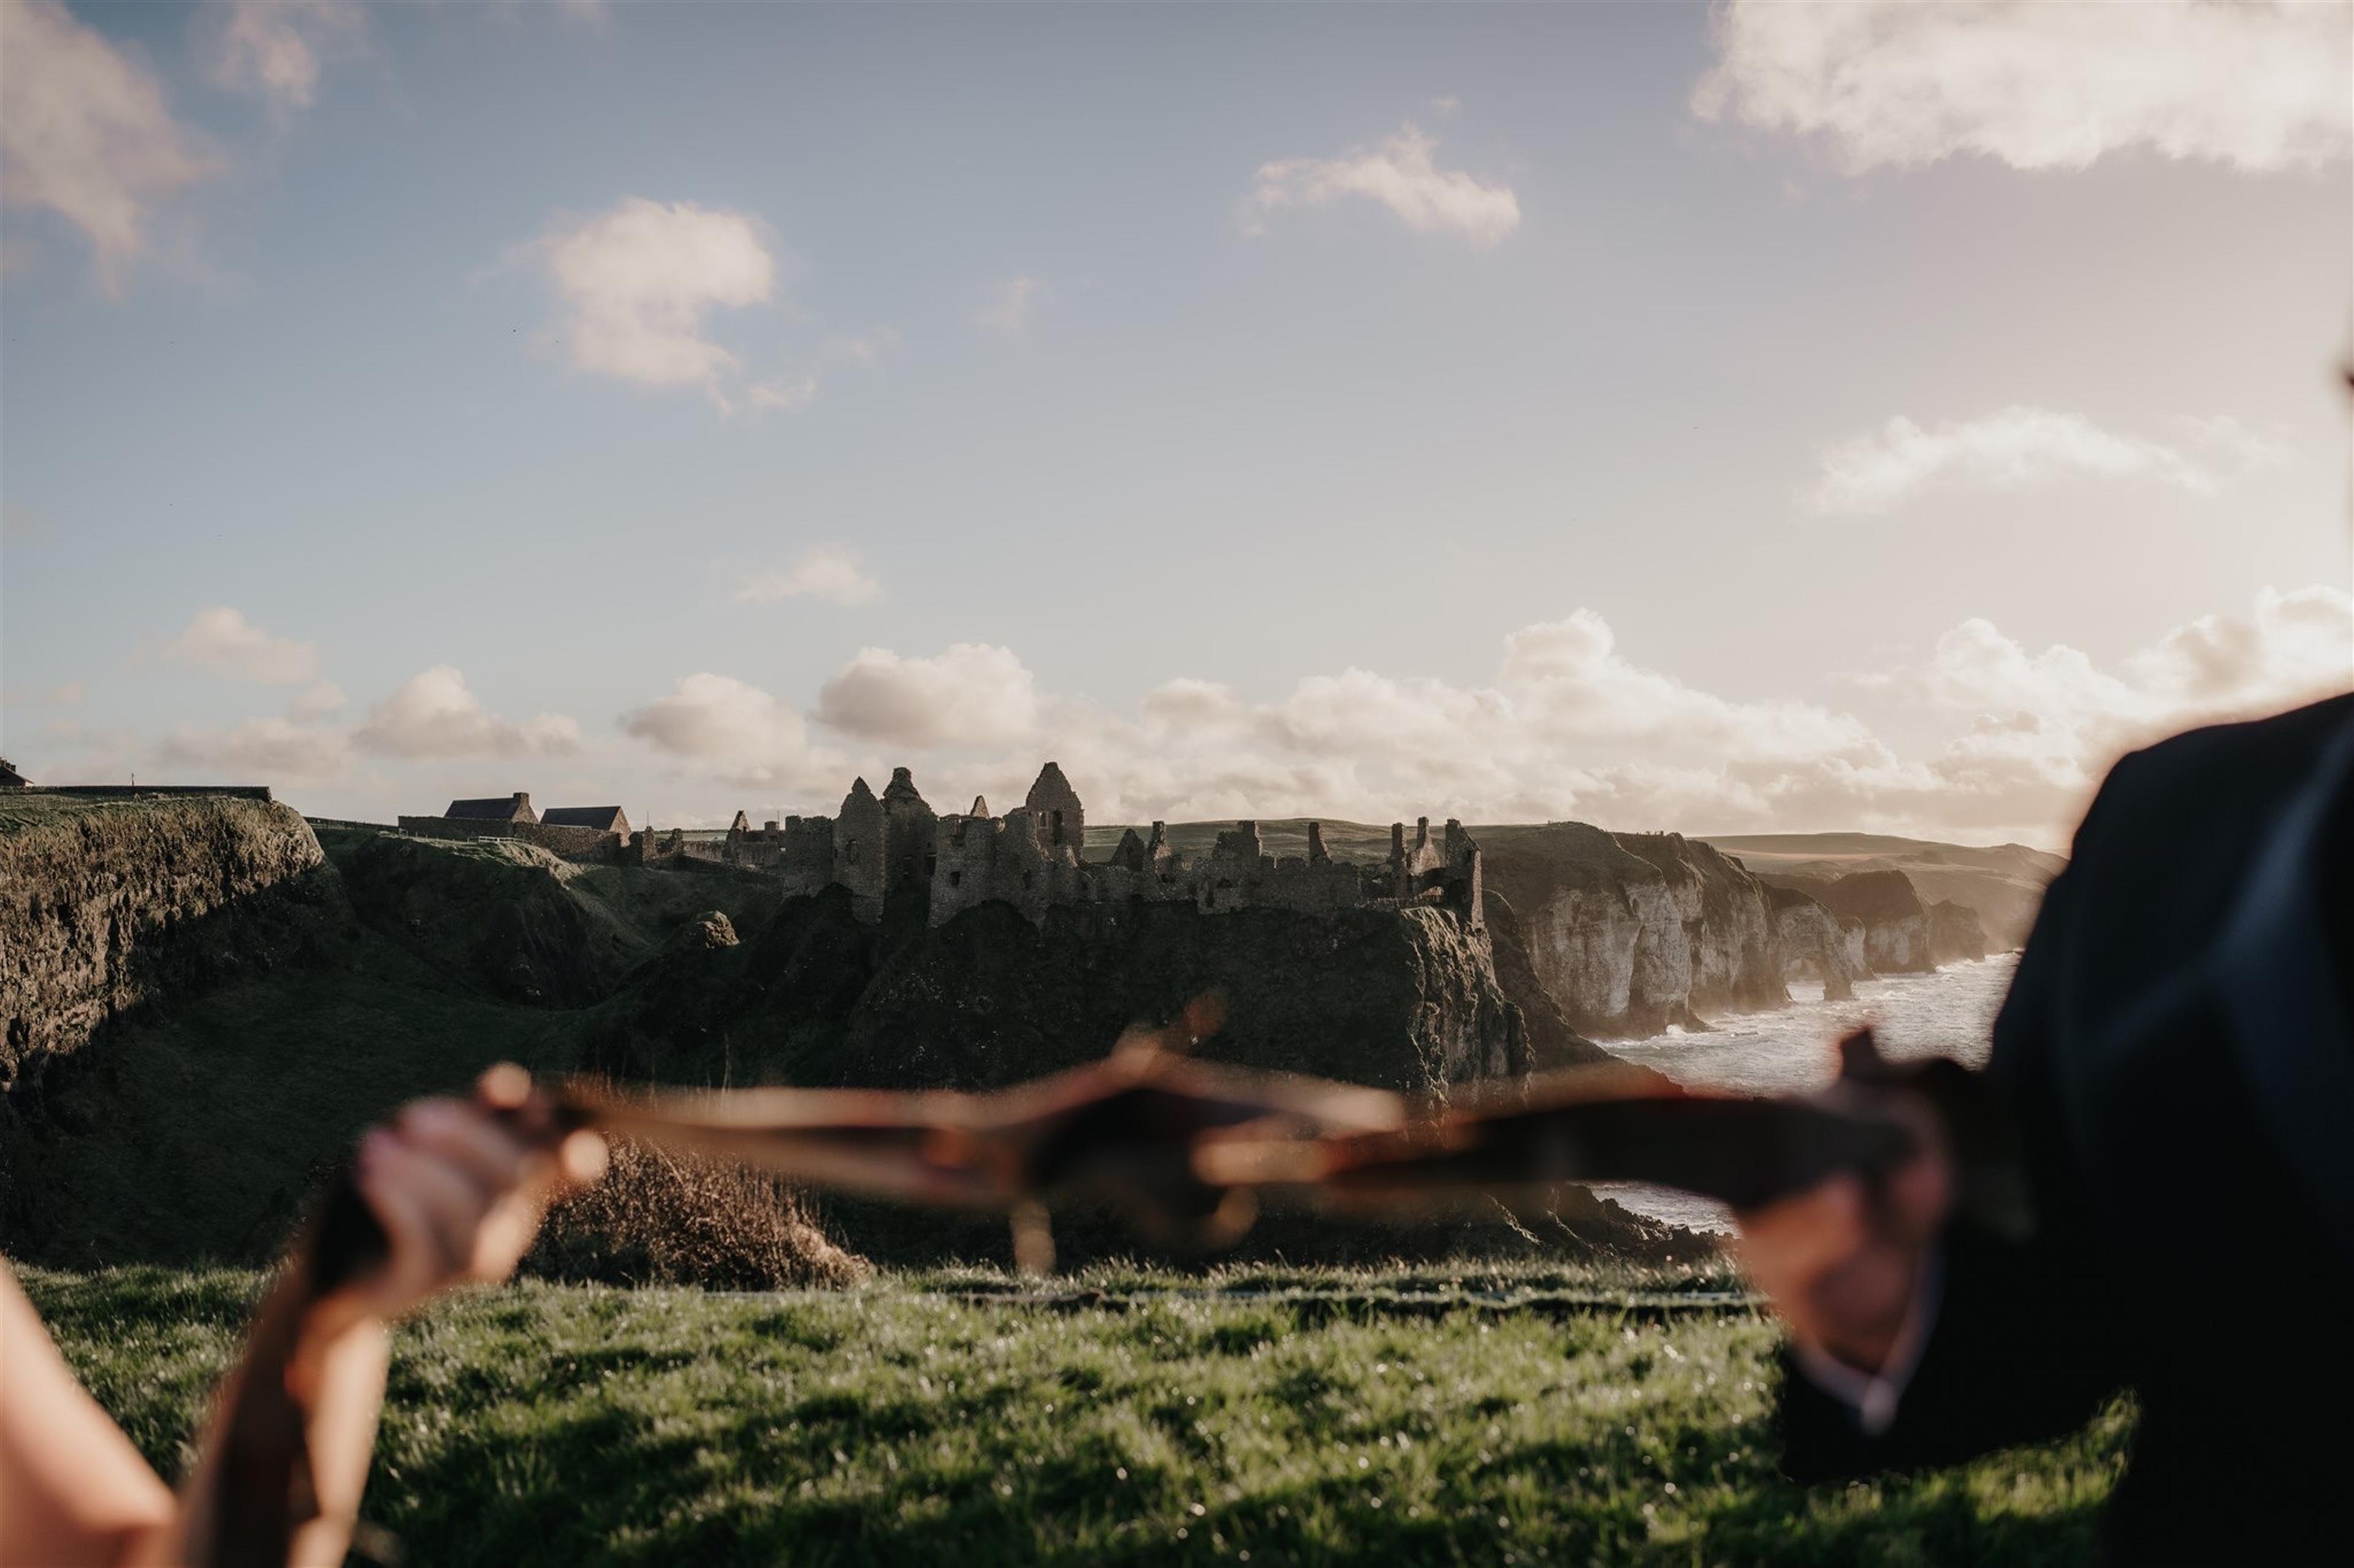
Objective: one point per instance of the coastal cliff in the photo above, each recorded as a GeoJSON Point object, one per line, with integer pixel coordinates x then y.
{"type": "Point", "coordinates": [1816, 944]}
{"type": "Point", "coordinates": [1630, 933]}
{"type": "Point", "coordinates": [1553, 1042]}
{"type": "Point", "coordinates": [1895, 923]}
{"type": "Point", "coordinates": [1730, 960]}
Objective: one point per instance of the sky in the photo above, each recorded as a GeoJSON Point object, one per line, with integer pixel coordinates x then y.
{"type": "Point", "coordinates": [1721, 418]}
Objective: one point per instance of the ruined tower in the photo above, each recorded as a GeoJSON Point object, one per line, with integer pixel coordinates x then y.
{"type": "Point", "coordinates": [1464, 879]}
{"type": "Point", "coordinates": [910, 829]}
{"type": "Point", "coordinates": [859, 849]}
{"type": "Point", "coordinates": [1054, 807]}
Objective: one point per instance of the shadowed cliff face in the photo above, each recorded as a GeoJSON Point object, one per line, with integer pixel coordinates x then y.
{"type": "Point", "coordinates": [1405, 1001]}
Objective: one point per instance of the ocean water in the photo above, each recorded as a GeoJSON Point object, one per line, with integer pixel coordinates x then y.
{"type": "Point", "coordinates": [1795, 1050]}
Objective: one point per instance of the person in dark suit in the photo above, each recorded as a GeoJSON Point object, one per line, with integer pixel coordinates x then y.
{"type": "Point", "coordinates": [2177, 1055]}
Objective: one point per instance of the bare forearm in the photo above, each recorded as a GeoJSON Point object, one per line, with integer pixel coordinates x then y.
{"type": "Point", "coordinates": [337, 1381]}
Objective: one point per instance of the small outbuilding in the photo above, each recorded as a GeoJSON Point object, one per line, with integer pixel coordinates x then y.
{"type": "Point", "coordinates": [9, 777]}
{"type": "Point", "coordinates": [604, 819]}
{"type": "Point", "coordinates": [515, 807]}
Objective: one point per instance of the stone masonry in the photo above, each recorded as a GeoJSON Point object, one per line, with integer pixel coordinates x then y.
{"type": "Point", "coordinates": [893, 846]}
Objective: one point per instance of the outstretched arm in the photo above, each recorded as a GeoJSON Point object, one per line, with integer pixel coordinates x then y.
{"type": "Point", "coordinates": [457, 1187]}
{"type": "Point", "coordinates": [1916, 1338]}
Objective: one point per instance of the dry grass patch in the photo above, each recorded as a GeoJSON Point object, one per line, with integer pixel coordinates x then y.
{"type": "Point", "coordinates": [658, 1218]}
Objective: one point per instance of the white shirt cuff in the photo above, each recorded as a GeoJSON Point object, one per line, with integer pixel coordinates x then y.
{"type": "Point", "coordinates": [1873, 1397]}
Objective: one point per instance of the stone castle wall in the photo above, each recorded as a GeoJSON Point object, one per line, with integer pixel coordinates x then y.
{"type": "Point", "coordinates": [894, 846]}
{"type": "Point", "coordinates": [891, 847]}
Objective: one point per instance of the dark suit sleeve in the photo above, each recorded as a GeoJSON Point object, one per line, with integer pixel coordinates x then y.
{"type": "Point", "coordinates": [2021, 1348]}
{"type": "Point", "coordinates": [2013, 1358]}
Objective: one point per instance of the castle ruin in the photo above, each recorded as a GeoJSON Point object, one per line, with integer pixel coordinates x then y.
{"type": "Point", "coordinates": [883, 848]}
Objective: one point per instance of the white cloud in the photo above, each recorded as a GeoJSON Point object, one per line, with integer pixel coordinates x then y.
{"type": "Point", "coordinates": [277, 49]}
{"type": "Point", "coordinates": [84, 133]}
{"type": "Point", "coordinates": [1398, 172]}
{"type": "Point", "coordinates": [260, 751]}
{"type": "Point", "coordinates": [2019, 447]}
{"type": "Point", "coordinates": [434, 715]}
{"type": "Point", "coordinates": [2294, 644]}
{"type": "Point", "coordinates": [972, 694]}
{"type": "Point", "coordinates": [637, 283]}
{"type": "Point", "coordinates": [733, 731]}
{"type": "Point", "coordinates": [830, 572]}
{"type": "Point", "coordinates": [1011, 306]}
{"type": "Point", "coordinates": [2040, 84]}
{"type": "Point", "coordinates": [2040, 727]}
{"type": "Point", "coordinates": [318, 700]}
{"type": "Point", "coordinates": [1569, 727]}
{"type": "Point", "coordinates": [221, 639]}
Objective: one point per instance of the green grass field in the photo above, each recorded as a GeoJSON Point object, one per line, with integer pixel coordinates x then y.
{"type": "Point", "coordinates": [1264, 1415]}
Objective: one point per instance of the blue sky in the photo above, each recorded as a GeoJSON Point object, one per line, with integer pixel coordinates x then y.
{"type": "Point", "coordinates": [1668, 416]}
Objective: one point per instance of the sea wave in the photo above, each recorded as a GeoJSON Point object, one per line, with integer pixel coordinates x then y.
{"type": "Point", "coordinates": [1795, 1049]}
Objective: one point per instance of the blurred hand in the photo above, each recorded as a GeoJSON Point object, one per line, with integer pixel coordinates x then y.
{"type": "Point", "coordinates": [1840, 1261]}
{"type": "Point", "coordinates": [460, 1186]}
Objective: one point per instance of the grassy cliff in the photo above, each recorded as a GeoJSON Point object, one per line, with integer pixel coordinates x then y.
{"type": "Point", "coordinates": [108, 904]}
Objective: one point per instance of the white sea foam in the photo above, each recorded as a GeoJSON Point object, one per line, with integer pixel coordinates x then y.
{"type": "Point", "coordinates": [1949, 1014]}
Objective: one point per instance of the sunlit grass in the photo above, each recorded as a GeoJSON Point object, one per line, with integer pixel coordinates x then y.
{"type": "Point", "coordinates": [1122, 1415]}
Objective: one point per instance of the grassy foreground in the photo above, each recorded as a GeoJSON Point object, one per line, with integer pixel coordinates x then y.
{"type": "Point", "coordinates": [1264, 1415]}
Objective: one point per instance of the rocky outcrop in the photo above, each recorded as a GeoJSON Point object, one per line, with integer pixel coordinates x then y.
{"type": "Point", "coordinates": [1955, 934]}
{"type": "Point", "coordinates": [1816, 944]}
{"type": "Point", "coordinates": [1630, 933]}
{"type": "Point", "coordinates": [107, 905]}
{"type": "Point", "coordinates": [1895, 923]}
